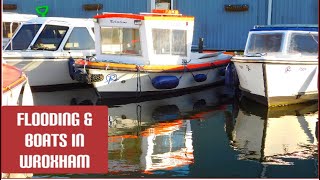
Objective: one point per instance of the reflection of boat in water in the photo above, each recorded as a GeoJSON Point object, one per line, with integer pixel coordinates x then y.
{"type": "Point", "coordinates": [167, 109]}
{"type": "Point", "coordinates": [159, 147]}
{"type": "Point", "coordinates": [276, 135]}
{"type": "Point", "coordinates": [151, 135]}
{"type": "Point", "coordinates": [81, 96]}
{"type": "Point", "coordinates": [156, 135]}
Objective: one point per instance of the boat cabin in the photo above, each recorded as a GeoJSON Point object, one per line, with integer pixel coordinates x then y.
{"type": "Point", "coordinates": [53, 34]}
{"type": "Point", "coordinates": [10, 22]}
{"type": "Point", "coordinates": [297, 40]}
{"type": "Point", "coordinates": [157, 38]}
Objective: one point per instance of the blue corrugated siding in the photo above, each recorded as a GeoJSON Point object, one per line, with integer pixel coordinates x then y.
{"type": "Point", "coordinates": [73, 8]}
{"type": "Point", "coordinates": [295, 12]}
{"type": "Point", "coordinates": [221, 30]}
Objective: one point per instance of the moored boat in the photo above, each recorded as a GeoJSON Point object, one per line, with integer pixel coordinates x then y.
{"type": "Point", "coordinates": [147, 54]}
{"type": "Point", "coordinates": [280, 64]}
{"type": "Point", "coordinates": [42, 46]}
{"type": "Point", "coordinates": [13, 82]}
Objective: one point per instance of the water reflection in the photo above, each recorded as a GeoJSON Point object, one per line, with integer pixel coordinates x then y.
{"type": "Point", "coordinates": [201, 134]}
{"type": "Point", "coordinates": [277, 135]}
{"type": "Point", "coordinates": [155, 137]}
{"type": "Point", "coordinates": [84, 96]}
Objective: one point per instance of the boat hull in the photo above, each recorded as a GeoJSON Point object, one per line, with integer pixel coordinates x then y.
{"type": "Point", "coordinates": [13, 81]}
{"type": "Point", "coordinates": [45, 73]}
{"type": "Point", "coordinates": [274, 83]}
{"type": "Point", "coordinates": [116, 84]}
{"type": "Point", "coordinates": [11, 97]}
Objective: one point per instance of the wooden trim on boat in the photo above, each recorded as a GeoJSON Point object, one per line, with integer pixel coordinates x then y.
{"type": "Point", "coordinates": [22, 78]}
{"type": "Point", "coordinates": [274, 61]}
{"type": "Point", "coordinates": [151, 68]}
{"type": "Point", "coordinates": [14, 84]}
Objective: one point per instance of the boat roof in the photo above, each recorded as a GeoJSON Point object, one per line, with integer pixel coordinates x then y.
{"type": "Point", "coordinates": [157, 14]}
{"type": "Point", "coordinates": [292, 27]}
{"type": "Point", "coordinates": [16, 17]}
{"type": "Point", "coordinates": [62, 20]}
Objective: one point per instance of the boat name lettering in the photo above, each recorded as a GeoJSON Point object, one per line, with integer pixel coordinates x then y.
{"type": "Point", "coordinates": [288, 69]}
{"type": "Point", "coordinates": [111, 77]}
{"type": "Point", "coordinates": [118, 22]}
{"type": "Point", "coordinates": [248, 67]}
{"type": "Point", "coordinates": [302, 69]}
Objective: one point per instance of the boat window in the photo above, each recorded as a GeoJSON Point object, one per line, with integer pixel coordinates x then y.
{"type": "Point", "coordinates": [265, 43]}
{"type": "Point", "coordinates": [50, 38]}
{"type": "Point", "coordinates": [166, 41]}
{"type": "Point", "coordinates": [163, 4]}
{"type": "Point", "coordinates": [161, 41]}
{"type": "Point", "coordinates": [120, 41]}
{"type": "Point", "coordinates": [24, 36]}
{"type": "Point", "coordinates": [79, 39]}
{"type": "Point", "coordinates": [9, 28]}
{"type": "Point", "coordinates": [179, 42]}
{"type": "Point", "coordinates": [304, 43]}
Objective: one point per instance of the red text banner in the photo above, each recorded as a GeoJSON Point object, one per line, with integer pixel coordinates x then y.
{"type": "Point", "coordinates": [54, 139]}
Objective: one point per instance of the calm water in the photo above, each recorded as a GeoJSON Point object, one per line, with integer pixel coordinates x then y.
{"type": "Point", "coordinates": [202, 134]}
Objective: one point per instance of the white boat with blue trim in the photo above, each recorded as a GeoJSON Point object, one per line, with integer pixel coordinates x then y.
{"type": "Point", "coordinates": [149, 53]}
{"type": "Point", "coordinates": [280, 64]}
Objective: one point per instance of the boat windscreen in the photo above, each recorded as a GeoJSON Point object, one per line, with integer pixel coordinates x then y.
{"type": "Point", "coordinates": [50, 38]}
{"type": "Point", "coordinates": [265, 43]}
{"type": "Point", "coordinates": [120, 41]}
{"type": "Point", "coordinates": [24, 36]}
{"type": "Point", "coordinates": [304, 43]}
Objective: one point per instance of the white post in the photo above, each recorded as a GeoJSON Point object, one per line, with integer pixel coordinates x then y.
{"type": "Point", "coordinates": [153, 5]}
{"type": "Point", "coordinates": [269, 12]}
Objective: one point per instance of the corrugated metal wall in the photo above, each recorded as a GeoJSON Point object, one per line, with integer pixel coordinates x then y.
{"type": "Point", "coordinates": [221, 29]}
{"type": "Point", "coordinates": [73, 8]}
{"type": "Point", "coordinates": [295, 12]}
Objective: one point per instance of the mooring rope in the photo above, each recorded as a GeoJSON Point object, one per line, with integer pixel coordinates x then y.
{"type": "Point", "coordinates": [138, 112]}
{"type": "Point", "coordinates": [138, 89]}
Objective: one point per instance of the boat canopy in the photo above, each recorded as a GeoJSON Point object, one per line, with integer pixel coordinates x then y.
{"type": "Point", "coordinates": [159, 37]}
{"type": "Point", "coordinates": [283, 39]}
{"type": "Point", "coordinates": [16, 17]}
{"type": "Point", "coordinates": [50, 33]}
